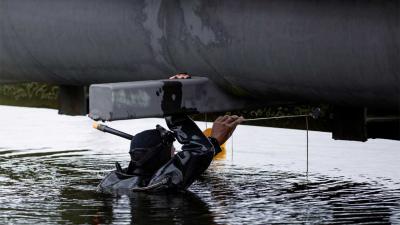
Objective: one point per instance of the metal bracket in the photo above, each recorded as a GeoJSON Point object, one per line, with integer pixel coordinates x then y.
{"type": "Point", "coordinates": [73, 100]}
{"type": "Point", "coordinates": [349, 124]}
{"type": "Point", "coordinates": [155, 98]}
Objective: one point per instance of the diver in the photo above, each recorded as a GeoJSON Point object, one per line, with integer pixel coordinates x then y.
{"type": "Point", "coordinates": [154, 166]}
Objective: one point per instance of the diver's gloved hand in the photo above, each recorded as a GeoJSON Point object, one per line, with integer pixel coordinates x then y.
{"type": "Point", "coordinates": [224, 126]}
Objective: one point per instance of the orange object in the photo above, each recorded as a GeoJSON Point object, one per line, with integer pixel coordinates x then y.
{"type": "Point", "coordinates": [222, 154]}
{"type": "Point", "coordinates": [95, 125]}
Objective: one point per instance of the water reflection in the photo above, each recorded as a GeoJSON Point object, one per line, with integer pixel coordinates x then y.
{"type": "Point", "coordinates": [135, 208]}
{"type": "Point", "coordinates": [59, 187]}
{"type": "Point", "coordinates": [49, 176]}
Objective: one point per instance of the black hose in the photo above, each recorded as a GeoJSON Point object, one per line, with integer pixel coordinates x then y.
{"type": "Point", "coordinates": [110, 130]}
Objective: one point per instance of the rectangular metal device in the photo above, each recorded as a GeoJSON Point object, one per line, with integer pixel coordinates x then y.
{"type": "Point", "coordinates": [155, 98]}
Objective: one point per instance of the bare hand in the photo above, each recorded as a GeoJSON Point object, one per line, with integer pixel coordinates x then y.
{"type": "Point", "coordinates": [181, 76]}
{"type": "Point", "coordinates": [224, 126]}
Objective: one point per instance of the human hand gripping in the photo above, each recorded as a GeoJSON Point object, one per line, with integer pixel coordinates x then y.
{"type": "Point", "coordinates": [224, 126]}
{"type": "Point", "coordinates": [180, 76]}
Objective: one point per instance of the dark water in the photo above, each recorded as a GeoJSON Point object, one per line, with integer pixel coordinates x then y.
{"type": "Point", "coordinates": [45, 180]}
{"type": "Point", "coordinates": [59, 187]}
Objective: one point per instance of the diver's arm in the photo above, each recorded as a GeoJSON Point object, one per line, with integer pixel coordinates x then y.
{"type": "Point", "coordinates": [187, 132]}
{"type": "Point", "coordinates": [217, 147]}
{"type": "Point", "coordinates": [195, 157]}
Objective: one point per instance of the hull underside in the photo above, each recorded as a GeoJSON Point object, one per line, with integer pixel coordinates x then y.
{"type": "Point", "coordinates": [334, 51]}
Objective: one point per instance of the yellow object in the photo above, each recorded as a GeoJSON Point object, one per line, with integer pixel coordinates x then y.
{"type": "Point", "coordinates": [95, 125]}
{"type": "Point", "coordinates": [222, 154]}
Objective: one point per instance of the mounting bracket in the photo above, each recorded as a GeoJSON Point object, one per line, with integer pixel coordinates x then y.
{"type": "Point", "coordinates": [157, 98]}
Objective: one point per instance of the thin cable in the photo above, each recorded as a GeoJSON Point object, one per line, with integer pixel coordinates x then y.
{"type": "Point", "coordinates": [307, 145]}
{"type": "Point", "coordinates": [307, 190]}
{"type": "Point", "coordinates": [285, 117]}
{"type": "Point", "coordinates": [205, 119]}
{"type": "Point", "coordinates": [277, 117]}
{"type": "Point", "coordinates": [232, 148]}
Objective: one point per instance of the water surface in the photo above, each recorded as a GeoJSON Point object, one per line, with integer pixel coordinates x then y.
{"type": "Point", "coordinates": [50, 166]}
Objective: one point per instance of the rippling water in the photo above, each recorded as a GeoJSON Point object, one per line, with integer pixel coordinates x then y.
{"type": "Point", "coordinates": [50, 166]}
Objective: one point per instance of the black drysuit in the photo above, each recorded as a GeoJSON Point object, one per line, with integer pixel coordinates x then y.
{"type": "Point", "coordinates": [181, 171]}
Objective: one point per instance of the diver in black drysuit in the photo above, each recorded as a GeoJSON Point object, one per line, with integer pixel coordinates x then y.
{"type": "Point", "coordinates": [155, 167]}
